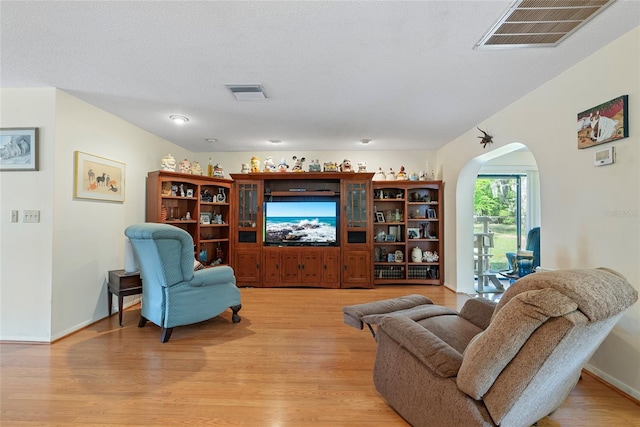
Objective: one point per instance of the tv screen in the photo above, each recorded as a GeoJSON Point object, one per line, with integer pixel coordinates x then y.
{"type": "Point", "coordinates": [301, 222]}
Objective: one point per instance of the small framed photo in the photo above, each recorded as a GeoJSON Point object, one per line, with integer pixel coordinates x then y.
{"type": "Point", "coordinates": [189, 192]}
{"type": "Point", "coordinates": [205, 218]}
{"type": "Point", "coordinates": [390, 238]}
{"type": "Point", "coordinates": [19, 149]}
{"type": "Point", "coordinates": [379, 217]}
{"type": "Point", "coordinates": [431, 213]}
{"type": "Point", "coordinates": [413, 233]}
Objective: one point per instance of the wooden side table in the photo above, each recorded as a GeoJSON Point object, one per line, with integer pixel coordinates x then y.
{"type": "Point", "coordinates": [122, 284]}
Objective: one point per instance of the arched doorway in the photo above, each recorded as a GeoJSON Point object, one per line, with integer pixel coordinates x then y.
{"type": "Point", "coordinates": [464, 214]}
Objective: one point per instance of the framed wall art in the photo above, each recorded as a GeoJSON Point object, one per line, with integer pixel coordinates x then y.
{"type": "Point", "coordinates": [19, 149]}
{"type": "Point", "coordinates": [604, 123]}
{"type": "Point", "coordinates": [98, 178]}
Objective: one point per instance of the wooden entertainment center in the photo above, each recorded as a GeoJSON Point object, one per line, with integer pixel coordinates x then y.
{"type": "Point", "coordinates": [385, 232]}
{"type": "Point", "coordinates": [345, 264]}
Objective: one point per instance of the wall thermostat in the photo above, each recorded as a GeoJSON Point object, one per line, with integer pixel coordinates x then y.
{"type": "Point", "coordinates": [604, 157]}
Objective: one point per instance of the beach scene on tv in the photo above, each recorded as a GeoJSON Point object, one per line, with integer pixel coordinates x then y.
{"type": "Point", "coordinates": [300, 222]}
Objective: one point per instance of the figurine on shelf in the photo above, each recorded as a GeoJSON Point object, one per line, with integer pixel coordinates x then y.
{"type": "Point", "coordinates": [174, 190]}
{"type": "Point", "coordinates": [345, 166]}
{"type": "Point", "coordinates": [362, 167]}
{"type": "Point", "coordinates": [380, 175]}
{"type": "Point", "coordinates": [255, 164]}
{"type": "Point", "coordinates": [413, 176]}
{"type": "Point", "coordinates": [422, 176]}
{"type": "Point", "coordinates": [269, 166]}
{"type": "Point", "coordinates": [185, 166]}
{"type": "Point", "coordinates": [181, 190]}
{"type": "Point", "coordinates": [297, 165]}
{"type": "Point", "coordinates": [196, 169]}
{"type": "Point", "coordinates": [314, 166]}
{"type": "Point", "coordinates": [206, 196]}
{"type": "Point", "coordinates": [331, 167]}
{"type": "Point", "coordinates": [391, 175]}
{"type": "Point", "coordinates": [219, 254]}
{"type": "Point", "coordinates": [168, 163]}
{"type": "Point", "coordinates": [218, 172]}
{"type": "Point", "coordinates": [283, 166]}
{"type": "Point", "coordinates": [402, 175]}
{"type": "Point", "coordinates": [244, 168]}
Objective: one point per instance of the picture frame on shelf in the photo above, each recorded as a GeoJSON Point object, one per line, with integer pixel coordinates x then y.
{"type": "Point", "coordinates": [205, 218]}
{"type": "Point", "coordinates": [413, 233]}
{"type": "Point", "coordinates": [19, 149]}
{"type": "Point", "coordinates": [98, 178]}
{"type": "Point", "coordinates": [379, 216]}
{"type": "Point", "coordinates": [189, 192]}
{"type": "Point", "coordinates": [431, 214]}
{"type": "Point", "coordinates": [390, 238]}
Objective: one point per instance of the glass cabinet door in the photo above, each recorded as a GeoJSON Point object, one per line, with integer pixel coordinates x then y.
{"type": "Point", "coordinates": [247, 205]}
{"type": "Point", "coordinates": [356, 204]}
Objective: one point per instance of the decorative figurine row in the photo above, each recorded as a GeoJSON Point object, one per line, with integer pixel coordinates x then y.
{"type": "Point", "coordinates": [402, 175]}
{"type": "Point", "coordinates": [168, 163]}
{"type": "Point", "coordinates": [269, 165]}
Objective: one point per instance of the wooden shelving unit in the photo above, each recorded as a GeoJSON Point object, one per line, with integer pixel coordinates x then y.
{"type": "Point", "coordinates": [408, 215]}
{"type": "Point", "coordinates": [182, 200]}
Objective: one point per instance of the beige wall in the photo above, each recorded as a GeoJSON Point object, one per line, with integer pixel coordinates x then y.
{"type": "Point", "coordinates": [590, 216]}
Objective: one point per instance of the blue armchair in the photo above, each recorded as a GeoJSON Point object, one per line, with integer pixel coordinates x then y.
{"type": "Point", "coordinates": [533, 244]}
{"type": "Point", "coordinates": [172, 293]}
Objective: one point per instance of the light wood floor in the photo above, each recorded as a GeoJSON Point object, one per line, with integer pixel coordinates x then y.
{"type": "Point", "coordinates": [290, 362]}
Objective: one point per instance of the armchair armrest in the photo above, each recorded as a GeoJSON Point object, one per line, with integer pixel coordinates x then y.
{"type": "Point", "coordinates": [213, 276]}
{"type": "Point", "coordinates": [436, 354]}
{"type": "Point", "coordinates": [478, 311]}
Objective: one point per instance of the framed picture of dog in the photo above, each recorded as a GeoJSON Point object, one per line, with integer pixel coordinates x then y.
{"type": "Point", "coordinates": [606, 122]}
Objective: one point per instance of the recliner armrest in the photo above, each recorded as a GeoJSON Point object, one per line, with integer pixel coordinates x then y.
{"type": "Point", "coordinates": [478, 311]}
{"type": "Point", "coordinates": [436, 354]}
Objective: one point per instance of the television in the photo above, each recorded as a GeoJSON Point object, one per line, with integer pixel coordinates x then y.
{"type": "Point", "coordinates": [302, 223]}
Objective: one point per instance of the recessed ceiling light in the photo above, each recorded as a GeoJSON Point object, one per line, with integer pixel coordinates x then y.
{"type": "Point", "coordinates": [247, 92]}
{"type": "Point", "coordinates": [211, 140]}
{"type": "Point", "coordinates": [178, 119]}
{"type": "Point", "coordinates": [275, 141]}
{"type": "Point", "coordinates": [366, 141]}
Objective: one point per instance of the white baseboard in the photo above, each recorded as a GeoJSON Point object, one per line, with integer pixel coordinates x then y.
{"type": "Point", "coordinates": [613, 381]}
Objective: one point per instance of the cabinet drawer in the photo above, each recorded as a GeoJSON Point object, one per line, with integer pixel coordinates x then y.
{"type": "Point", "coordinates": [121, 282]}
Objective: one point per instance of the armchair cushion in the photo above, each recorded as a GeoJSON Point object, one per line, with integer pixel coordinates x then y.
{"type": "Point", "coordinates": [428, 348]}
{"type": "Point", "coordinates": [489, 352]}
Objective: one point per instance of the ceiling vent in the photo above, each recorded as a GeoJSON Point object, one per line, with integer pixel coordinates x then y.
{"type": "Point", "coordinates": [540, 23]}
{"type": "Point", "coordinates": [247, 92]}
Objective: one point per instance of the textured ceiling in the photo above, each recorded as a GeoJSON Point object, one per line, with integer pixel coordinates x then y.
{"type": "Point", "coordinates": [404, 74]}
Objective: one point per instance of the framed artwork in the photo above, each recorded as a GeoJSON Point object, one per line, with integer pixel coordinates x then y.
{"type": "Point", "coordinates": [431, 213]}
{"type": "Point", "coordinates": [98, 178]}
{"type": "Point", "coordinates": [205, 218]}
{"type": "Point", "coordinates": [379, 216]}
{"type": "Point", "coordinates": [413, 233]}
{"type": "Point", "coordinates": [19, 149]}
{"type": "Point", "coordinates": [390, 238]}
{"type": "Point", "coordinates": [604, 123]}
{"type": "Point", "coordinates": [189, 192]}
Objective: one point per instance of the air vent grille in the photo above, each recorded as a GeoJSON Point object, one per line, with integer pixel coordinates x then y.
{"type": "Point", "coordinates": [543, 23]}
{"type": "Point", "coordinates": [247, 92]}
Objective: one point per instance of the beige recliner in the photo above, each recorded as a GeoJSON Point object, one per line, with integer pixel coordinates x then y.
{"type": "Point", "coordinates": [509, 364]}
